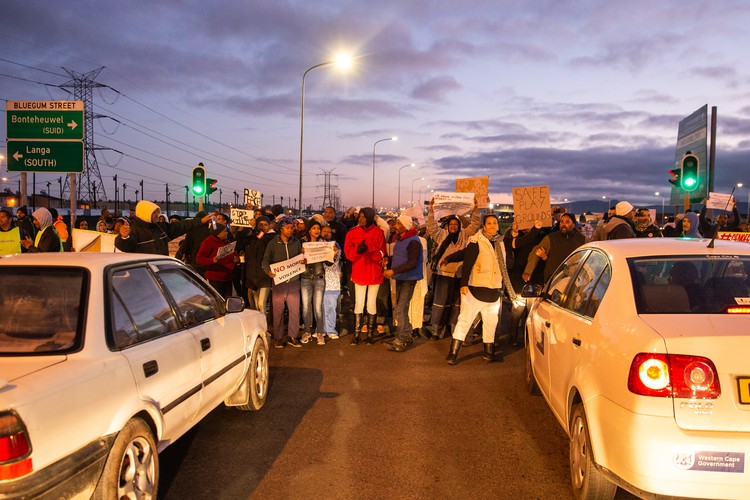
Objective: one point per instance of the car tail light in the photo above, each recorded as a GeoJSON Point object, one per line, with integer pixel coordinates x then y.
{"type": "Point", "coordinates": [675, 375]}
{"type": "Point", "coordinates": [738, 310]}
{"type": "Point", "coordinates": [15, 447]}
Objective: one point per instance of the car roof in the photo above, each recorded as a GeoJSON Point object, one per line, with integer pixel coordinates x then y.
{"type": "Point", "coordinates": [641, 247]}
{"type": "Point", "coordinates": [90, 260]}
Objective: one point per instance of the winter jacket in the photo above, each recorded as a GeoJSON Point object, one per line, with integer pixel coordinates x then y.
{"type": "Point", "coordinates": [438, 234]}
{"type": "Point", "coordinates": [148, 237]}
{"type": "Point", "coordinates": [618, 228]}
{"type": "Point", "coordinates": [367, 268]}
{"type": "Point", "coordinates": [215, 271]}
{"type": "Point", "coordinates": [558, 246]}
{"type": "Point", "coordinates": [407, 257]}
{"type": "Point", "coordinates": [278, 251]}
{"type": "Point", "coordinates": [255, 277]}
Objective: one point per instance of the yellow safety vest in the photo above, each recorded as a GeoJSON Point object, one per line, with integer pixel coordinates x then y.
{"type": "Point", "coordinates": [10, 241]}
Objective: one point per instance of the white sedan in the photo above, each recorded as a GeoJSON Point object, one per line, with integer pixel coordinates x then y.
{"type": "Point", "coordinates": [105, 360]}
{"type": "Point", "coordinates": [640, 348]}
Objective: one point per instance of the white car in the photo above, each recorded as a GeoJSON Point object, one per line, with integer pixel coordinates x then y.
{"type": "Point", "coordinates": [105, 360]}
{"type": "Point", "coordinates": [641, 348]}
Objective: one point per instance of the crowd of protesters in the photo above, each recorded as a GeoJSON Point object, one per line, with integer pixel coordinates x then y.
{"type": "Point", "coordinates": [389, 278]}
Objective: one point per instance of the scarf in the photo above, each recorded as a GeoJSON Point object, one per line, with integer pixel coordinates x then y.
{"type": "Point", "coordinates": [497, 242]}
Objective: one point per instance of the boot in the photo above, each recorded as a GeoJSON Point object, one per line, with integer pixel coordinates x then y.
{"type": "Point", "coordinates": [357, 329]}
{"type": "Point", "coordinates": [371, 319]}
{"type": "Point", "coordinates": [438, 332]}
{"type": "Point", "coordinates": [489, 352]}
{"type": "Point", "coordinates": [453, 354]}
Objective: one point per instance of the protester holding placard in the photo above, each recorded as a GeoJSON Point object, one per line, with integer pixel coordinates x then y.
{"type": "Point", "coordinates": [284, 246]}
{"type": "Point", "coordinates": [332, 287]}
{"type": "Point", "coordinates": [312, 287]}
{"type": "Point", "coordinates": [218, 267]}
{"type": "Point", "coordinates": [365, 248]}
{"type": "Point", "coordinates": [447, 240]}
{"type": "Point", "coordinates": [256, 279]}
{"type": "Point", "coordinates": [722, 220]}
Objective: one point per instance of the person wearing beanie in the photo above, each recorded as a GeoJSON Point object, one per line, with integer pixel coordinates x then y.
{"type": "Point", "coordinates": [24, 221]}
{"type": "Point", "coordinates": [365, 247]}
{"type": "Point", "coordinates": [46, 239]}
{"type": "Point", "coordinates": [619, 226]}
{"type": "Point", "coordinates": [447, 241]}
{"type": "Point", "coordinates": [406, 270]}
{"type": "Point", "coordinates": [145, 234]}
{"type": "Point", "coordinates": [218, 270]}
{"type": "Point", "coordinates": [283, 247]}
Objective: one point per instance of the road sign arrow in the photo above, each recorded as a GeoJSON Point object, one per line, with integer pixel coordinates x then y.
{"type": "Point", "coordinates": [72, 125]}
{"type": "Point", "coordinates": [17, 156]}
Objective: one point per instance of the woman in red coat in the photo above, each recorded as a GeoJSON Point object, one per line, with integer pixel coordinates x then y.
{"type": "Point", "coordinates": [365, 248]}
{"type": "Point", "coordinates": [218, 271]}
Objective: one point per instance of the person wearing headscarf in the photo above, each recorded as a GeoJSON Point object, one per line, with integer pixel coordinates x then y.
{"type": "Point", "coordinates": [283, 247]}
{"type": "Point", "coordinates": [483, 276]}
{"type": "Point", "coordinates": [46, 239]}
{"type": "Point", "coordinates": [447, 240]}
{"type": "Point", "coordinates": [690, 225]}
{"type": "Point", "coordinates": [644, 226]}
{"type": "Point", "coordinates": [145, 234]}
{"type": "Point", "coordinates": [365, 248]}
{"type": "Point", "coordinates": [218, 270]}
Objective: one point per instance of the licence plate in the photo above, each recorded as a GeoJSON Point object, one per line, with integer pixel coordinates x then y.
{"type": "Point", "coordinates": [743, 390]}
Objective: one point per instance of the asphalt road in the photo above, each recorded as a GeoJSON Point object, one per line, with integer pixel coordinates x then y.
{"type": "Point", "coordinates": [347, 421]}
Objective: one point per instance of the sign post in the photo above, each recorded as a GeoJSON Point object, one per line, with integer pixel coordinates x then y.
{"type": "Point", "coordinates": [45, 136]}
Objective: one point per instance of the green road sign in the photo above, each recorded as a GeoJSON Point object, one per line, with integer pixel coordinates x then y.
{"type": "Point", "coordinates": [45, 156]}
{"type": "Point", "coordinates": [45, 136]}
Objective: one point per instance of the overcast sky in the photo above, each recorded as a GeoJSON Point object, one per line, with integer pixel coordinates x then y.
{"type": "Point", "coordinates": [584, 96]}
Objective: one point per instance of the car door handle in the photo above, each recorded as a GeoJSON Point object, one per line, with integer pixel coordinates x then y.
{"type": "Point", "coordinates": [577, 342]}
{"type": "Point", "coordinates": [205, 344]}
{"type": "Point", "coordinates": [150, 368]}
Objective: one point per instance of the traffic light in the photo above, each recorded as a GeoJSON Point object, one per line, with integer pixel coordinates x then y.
{"type": "Point", "coordinates": [676, 174]}
{"type": "Point", "coordinates": [210, 186]}
{"type": "Point", "coordinates": [199, 180]}
{"type": "Point", "coordinates": [689, 178]}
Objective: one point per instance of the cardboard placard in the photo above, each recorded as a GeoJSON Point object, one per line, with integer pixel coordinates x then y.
{"type": "Point", "coordinates": [288, 269]}
{"type": "Point", "coordinates": [480, 186]}
{"type": "Point", "coordinates": [241, 217]}
{"type": "Point", "coordinates": [318, 251]}
{"type": "Point", "coordinates": [532, 203]}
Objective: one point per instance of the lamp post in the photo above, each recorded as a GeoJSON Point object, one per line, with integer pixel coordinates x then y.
{"type": "Point", "coordinates": [394, 138]}
{"type": "Point", "coordinates": [662, 205]}
{"type": "Point", "coordinates": [412, 187]}
{"type": "Point", "coordinates": [342, 61]}
{"type": "Point", "coordinates": [420, 191]}
{"type": "Point", "coordinates": [398, 207]}
{"type": "Point", "coordinates": [608, 202]}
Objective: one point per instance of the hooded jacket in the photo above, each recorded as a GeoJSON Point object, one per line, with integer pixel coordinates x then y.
{"type": "Point", "coordinates": [149, 237]}
{"type": "Point", "coordinates": [46, 239]}
{"type": "Point", "coordinates": [367, 267]}
{"type": "Point", "coordinates": [215, 271]}
{"type": "Point", "coordinates": [439, 234]}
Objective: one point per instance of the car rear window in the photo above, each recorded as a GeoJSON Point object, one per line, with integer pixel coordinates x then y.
{"type": "Point", "coordinates": [709, 284]}
{"type": "Point", "coordinates": [42, 309]}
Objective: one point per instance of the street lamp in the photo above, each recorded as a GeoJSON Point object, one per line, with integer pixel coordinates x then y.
{"type": "Point", "coordinates": [342, 61]}
{"type": "Point", "coordinates": [420, 191]}
{"type": "Point", "coordinates": [394, 138]}
{"type": "Point", "coordinates": [412, 187]}
{"type": "Point", "coordinates": [398, 207]}
{"type": "Point", "coordinates": [662, 206]}
{"type": "Point", "coordinates": [739, 185]}
{"type": "Point", "coordinates": [608, 202]}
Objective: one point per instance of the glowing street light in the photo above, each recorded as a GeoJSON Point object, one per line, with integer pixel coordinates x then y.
{"type": "Point", "coordinates": [420, 191]}
{"type": "Point", "coordinates": [662, 205]}
{"type": "Point", "coordinates": [399, 182]}
{"type": "Point", "coordinates": [342, 61]}
{"type": "Point", "coordinates": [394, 138]}
{"type": "Point", "coordinates": [412, 187]}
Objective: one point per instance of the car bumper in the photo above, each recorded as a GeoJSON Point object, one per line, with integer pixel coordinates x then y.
{"type": "Point", "coordinates": [650, 456]}
{"type": "Point", "coordinates": [78, 473]}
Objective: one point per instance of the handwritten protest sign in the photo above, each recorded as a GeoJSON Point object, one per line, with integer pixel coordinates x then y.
{"type": "Point", "coordinates": [480, 186]}
{"type": "Point", "coordinates": [719, 201]}
{"type": "Point", "coordinates": [318, 251]}
{"type": "Point", "coordinates": [531, 203]}
{"type": "Point", "coordinates": [452, 204]}
{"type": "Point", "coordinates": [241, 217]}
{"type": "Point", "coordinates": [252, 197]}
{"type": "Point", "coordinates": [93, 241]}
{"type": "Point", "coordinates": [226, 250]}
{"type": "Point", "coordinates": [415, 212]}
{"type": "Point", "coordinates": [288, 269]}
{"type": "Point", "coordinates": [733, 236]}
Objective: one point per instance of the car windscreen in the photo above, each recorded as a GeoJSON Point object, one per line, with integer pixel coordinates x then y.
{"type": "Point", "coordinates": [41, 309]}
{"type": "Point", "coordinates": [697, 284]}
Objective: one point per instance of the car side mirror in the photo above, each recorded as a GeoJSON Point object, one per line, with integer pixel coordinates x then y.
{"type": "Point", "coordinates": [235, 304]}
{"type": "Point", "coordinates": [532, 290]}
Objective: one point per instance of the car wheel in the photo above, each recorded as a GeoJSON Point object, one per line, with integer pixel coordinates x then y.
{"type": "Point", "coordinates": [257, 378]}
{"type": "Point", "coordinates": [132, 466]}
{"type": "Point", "coordinates": [587, 481]}
{"type": "Point", "coordinates": [531, 384]}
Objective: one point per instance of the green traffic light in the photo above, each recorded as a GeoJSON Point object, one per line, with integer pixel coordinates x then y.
{"type": "Point", "coordinates": [197, 190]}
{"type": "Point", "coordinates": [689, 182]}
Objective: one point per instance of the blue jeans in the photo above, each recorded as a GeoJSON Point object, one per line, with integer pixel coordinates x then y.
{"type": "Point", "coordinates": [312, 294]}
{"type": "Point", "coordinates": [404, 293]}
{"type": "Point", "coordinates": [330, 301]}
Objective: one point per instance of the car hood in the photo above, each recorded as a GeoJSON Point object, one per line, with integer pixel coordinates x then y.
{"type": "Point", "coordinates": [18, 367]}
{"type": "Point", "coordinates": [725, 340]}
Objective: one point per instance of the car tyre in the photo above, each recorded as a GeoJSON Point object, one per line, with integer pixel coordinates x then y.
{"type": "Point", "coordinates": [531, 385]}
{"type": "Point", "coordinates": [587, 481]}
{"type": "Point", "coordinates": [257, 378]}
{"type": "Point", "coordinates": [132, 466]}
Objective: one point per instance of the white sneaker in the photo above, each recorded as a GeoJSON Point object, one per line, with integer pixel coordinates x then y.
{"type": "Point", "coordinates": [321, 339]}
{"type": "Point", "coordinates": [333, 336]}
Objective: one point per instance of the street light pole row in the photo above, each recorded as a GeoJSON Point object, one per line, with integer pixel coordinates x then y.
{"type": "Point", "coordinates": [394, 138]}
